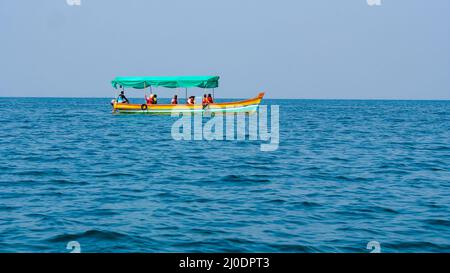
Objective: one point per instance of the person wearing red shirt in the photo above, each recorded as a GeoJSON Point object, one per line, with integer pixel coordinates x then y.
{"type": "Point", "coordinates": [210, 99]}
{"type": "Point", "coordinates": [149, 100]}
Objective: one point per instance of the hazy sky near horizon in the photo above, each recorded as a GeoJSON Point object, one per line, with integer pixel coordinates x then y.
{"type": "Point", "coordinates": [320, 49]}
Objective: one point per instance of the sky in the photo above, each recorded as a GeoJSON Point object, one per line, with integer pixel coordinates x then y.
{"type": "Point", "coordinates": [306, 49]}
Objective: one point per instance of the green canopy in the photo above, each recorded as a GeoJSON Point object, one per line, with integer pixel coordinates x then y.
{"type": "Point", "coordinates": [169, 82]}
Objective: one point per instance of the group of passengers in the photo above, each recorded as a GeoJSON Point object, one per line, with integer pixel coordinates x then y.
{"type": "Point", "coordinates": [207, 99]}
{"type": "Point", "coordinates": [153, 99]}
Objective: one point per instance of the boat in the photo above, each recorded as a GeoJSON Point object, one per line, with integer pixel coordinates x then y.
{"type": "Point", "coordinates": [205, 82]}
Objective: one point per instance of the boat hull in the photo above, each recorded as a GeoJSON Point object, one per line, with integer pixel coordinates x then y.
{"type": "Point", "coordinates": [245, 106]}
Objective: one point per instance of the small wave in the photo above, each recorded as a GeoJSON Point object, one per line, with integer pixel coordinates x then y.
{"type": "Point", "coordinates": [114, 174]}
{"type": "Point", "coordinates": [343, 178]}
{"type": "Point", "coordinates": [277, 201]}
{"type": "Point", "coordinates": [352, 179]}
{"type": "Point", "coordinates": [334, 158]}
{"type": "Point", "coordinates": [385, 209]}
{"type": "Point", "coordinates": [103, 212]}
{"type": "Point", "coordinates": [240, 178]}
{"type": "Point", "coordinates": [90, 234]}
{"type": "Point", "coordinates": [8, 208]}
{"type": "Point", "coordinates": [44, 217]}
{"type": "Point", "coordinates": [293, 248]}
{"type": "Point", "coordinates": [39, 173]}
{"type": "Point", "coordinates": [167, 195]}
{"type": "Point", "coordinates": [307, 204]}
{"type": "Point", "coordinates": [438, 222]}
{"type": "Point", "coordinates": [439, 148]}
{"type": "Point", "coordinates": [176, 178]}
{"type": "Point", "coordinates": [68, 182]}
{"type": "Point", "coordinates": [376, 209]}
{"type": "Point", "coordinates": [416, 247]}
{"type": "Point", "coordinates": [202, 231]}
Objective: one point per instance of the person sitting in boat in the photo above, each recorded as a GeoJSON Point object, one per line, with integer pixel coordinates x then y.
{"type": "Point", "coordinates": [155, 99]}
{"type": "Point", "coordinates": [149, 100]}
{"type": "Point", "coordinates": [122, 98]}
{"type": "Point", "coordinates": [205, 100]}
{"type": "Point", "coordinates": [174, 100]}
{"type": "Point", "coordinates": [191, 100]}
{"type": "Point", "coordinates": [210, 99]}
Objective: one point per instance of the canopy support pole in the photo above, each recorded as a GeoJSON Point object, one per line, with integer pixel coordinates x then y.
{"type": "Point", "coordinates": [213, 93]}
{"type": "Point", "coordinates": [185, 92]}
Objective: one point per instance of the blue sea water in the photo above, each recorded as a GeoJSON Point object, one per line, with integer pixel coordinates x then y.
{"type": "Point", "coordinates": [346, 172]}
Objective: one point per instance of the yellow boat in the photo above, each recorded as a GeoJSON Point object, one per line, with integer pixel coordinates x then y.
{"type": "Point", "coordinates": [211, 82]}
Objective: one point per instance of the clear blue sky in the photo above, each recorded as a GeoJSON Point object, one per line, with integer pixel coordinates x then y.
{"type": "Point", "coordinates": [291, 49]}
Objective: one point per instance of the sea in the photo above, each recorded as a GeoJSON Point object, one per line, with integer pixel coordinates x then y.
{"type": "Point", "coordinates": [346, 175]}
